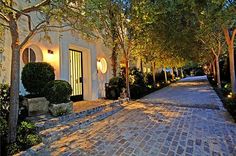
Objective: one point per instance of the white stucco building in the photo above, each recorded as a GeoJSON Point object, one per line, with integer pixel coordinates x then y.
{"type": "Point", "coordinates": [85, 64]}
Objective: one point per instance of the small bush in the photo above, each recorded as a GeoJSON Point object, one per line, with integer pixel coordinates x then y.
{"type": "Point", "coordinates": [114, 88]}
{"type": "Point", "coordinates": [35, 76]}
{"type": "Point", "coordinates": [4, 100]}
{"type": "Point", "coordinates": [58, 91]}
{"type": "Point", "coordinates": [199, 72]}
{"type": "Point", "coordinates": [137, 91]}
{"type": "Point", "coordinates": [136, 77]}
{"type": "Point", "coordinates": [226, 89]}
{"type": "Point", "coordinates": [13, 148]}
{"type": "Point", "coordinates": [26, 135]}
{"type": "Point", "coordinates": [148, 79]}
{"type": "Point", "coordinates": [112, 92]}
{"type": "Point", "coordinates": [3, 126]}
{"type": "Point", "coordinates": [231, 106]}
{"type": "Point", "coordinates": [117, 81]}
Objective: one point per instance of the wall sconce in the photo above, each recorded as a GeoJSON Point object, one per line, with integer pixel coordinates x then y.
{"type": "Point", "coordinates": [50, 52]}
{"type": "Point", "coordinates": [102, 65]}
{"type": "Point", "coordinates": [99, 65]}
{"type": "Point", "coordinates": [50, 56]}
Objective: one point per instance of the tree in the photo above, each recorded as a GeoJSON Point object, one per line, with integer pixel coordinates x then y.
{"type": "Point", "coordinates": [123, 29]}
{"type": "Point", "coordinates": [53, 14]}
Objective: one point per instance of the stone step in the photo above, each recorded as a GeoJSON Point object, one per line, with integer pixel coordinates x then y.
{"type": "Point", "coordinates": [49, 123]}
{"type": "Point", "coordinates": [65, 128]}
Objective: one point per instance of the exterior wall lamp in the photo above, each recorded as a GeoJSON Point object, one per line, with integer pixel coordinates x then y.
{"type": "Point", "coordinates": [50, 52]}
{"type": "Point", "coordinates": [102, 65]}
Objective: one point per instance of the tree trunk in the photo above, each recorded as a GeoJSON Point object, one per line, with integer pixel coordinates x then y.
{"type": "Point", "coordinates": [164, 69]}
{"type": "Point", "coordinates": [141, 65]}
{"type": "Point", "coordinates": [214, 69]}
{"type": "Point", "coordinates": [230, 42]}
{"type": "Point", "coordinates": [177, 72]}
{"type": "Point", "coordinates": [218, 71]}
{"type": "Point", "coordinates": [182, 73]}
{"type": "Point", "coordinates": [114, 60]}
{"type": "Point", "coordinates": [172, 74]}
{"type": "Point", "coordinates": [154, 74]}
{"type": "Point", "coordinates": [15, 78]}
{"type": "Point", "coordinates": [232, 69]}
{"type": "Point", "coordinates": [127, 76]}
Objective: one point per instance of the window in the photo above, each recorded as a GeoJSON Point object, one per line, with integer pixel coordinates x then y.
{"type": "Point", "coordinates": [28, 55]}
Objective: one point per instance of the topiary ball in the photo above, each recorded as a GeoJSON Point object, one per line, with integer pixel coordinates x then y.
{"type": "Point", "coordinates": [58, 91]}
{"type": "Point", "coordinates": [35, 76]}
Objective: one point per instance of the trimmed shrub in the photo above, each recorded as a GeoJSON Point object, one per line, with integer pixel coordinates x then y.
{"type": "Point", "coordinates": [58, 91]}
{"type": "Point", "coordinates": [114, 88]}
{"type": "Point", "coordinates": [35, 76]}
{"type": "Point", "coordinates": [117, 81]}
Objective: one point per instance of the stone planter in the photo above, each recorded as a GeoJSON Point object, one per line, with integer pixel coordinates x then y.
{"type": "Point", "coordinates": [36, 106]}
{"type": "Point", "coordinates": [61, 109]}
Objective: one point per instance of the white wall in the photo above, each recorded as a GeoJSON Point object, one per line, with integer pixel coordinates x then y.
{"type": "Point", "coordinates": [60, 43]}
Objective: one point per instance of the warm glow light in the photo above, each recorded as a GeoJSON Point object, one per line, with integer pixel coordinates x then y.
{"type": "Point", "coordinates": [50, 57]}
{"type": "Point", "coordinates": [229, 96]}
{"type": "Point", "coordinates": [158, 85]}
{"type": "Point", "coordinates": [99, 65]}
{"type": "Point", "coordinates": [102, 65]}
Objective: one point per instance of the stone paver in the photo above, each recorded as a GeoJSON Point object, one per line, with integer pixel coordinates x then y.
{"type": "Point", "coordinates": [192, 91]}
{"type": "Point", "coordinates": [174, 127]}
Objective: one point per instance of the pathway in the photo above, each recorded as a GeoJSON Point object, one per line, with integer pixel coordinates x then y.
{"type": "Point", "coordinates": [186, 118]}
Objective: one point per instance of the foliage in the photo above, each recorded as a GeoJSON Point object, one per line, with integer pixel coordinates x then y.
{"type": "Point", "coordinates": [26, 135]}
{"type": "Point", "coordinates": [137, 91]}
{"type": "Point", "coordinates": [117, 82]}
{"type": "Point", "coordinates": [136, 77]}
{"type": "Point", "coordinates": [114, 87]}
{"type": "Point", "coordinates": [229, 102]}
{"type": "Point", "coordinates": [4, 100]}
{"type": "Point", "coordinates": [58, 91]}
{"type": "Point", "coordinates": [148, 78]}
{"type": "Point", "coordinates": [60, 111]}
{"type": "Point", "coordinates": [3, 126]}
{"type": "Point", "coordinates": [226, 89]}
{"type": "Point", "coordinates": [13, 148]}
{"type": "Point", "coordinates": [199, 72]}
{"type": "Point", "coordinates": [35, 76]}
{"type": "Point", "coordinates": [112, 92]}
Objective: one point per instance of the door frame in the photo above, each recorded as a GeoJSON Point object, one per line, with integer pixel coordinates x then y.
{"type": "Point", "coordinates": [77, 97]}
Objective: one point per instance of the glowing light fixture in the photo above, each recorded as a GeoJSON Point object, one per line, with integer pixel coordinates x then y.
{"type": "Point", "coordinates": [50, 55]}
{"type": "Point", "coordinates": [50, 52]}
{"type": "Point", "coordinates": [102, 65]}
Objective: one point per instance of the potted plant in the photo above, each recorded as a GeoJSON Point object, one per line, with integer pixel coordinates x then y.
{"type": "Point", "coordinates": [34, 77]}
{"type": "Point", "coordinates": [58, 93]}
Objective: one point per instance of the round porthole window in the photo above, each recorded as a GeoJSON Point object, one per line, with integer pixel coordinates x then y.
{"type": "Point", "coordinates": [103, 65]}
{"type": "Point", "coordinates": [28, 55]}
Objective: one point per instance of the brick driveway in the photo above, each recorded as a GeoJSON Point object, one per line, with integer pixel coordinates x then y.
{"type": "Point", "coordinates": [189, 120]}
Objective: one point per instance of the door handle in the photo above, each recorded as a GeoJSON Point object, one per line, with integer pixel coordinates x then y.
{"type": "Point", "coordinates": [81, 79]}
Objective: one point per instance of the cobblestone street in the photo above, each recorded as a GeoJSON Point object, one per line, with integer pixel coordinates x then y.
{"type": "Point", "coordinates": [186, 118]}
